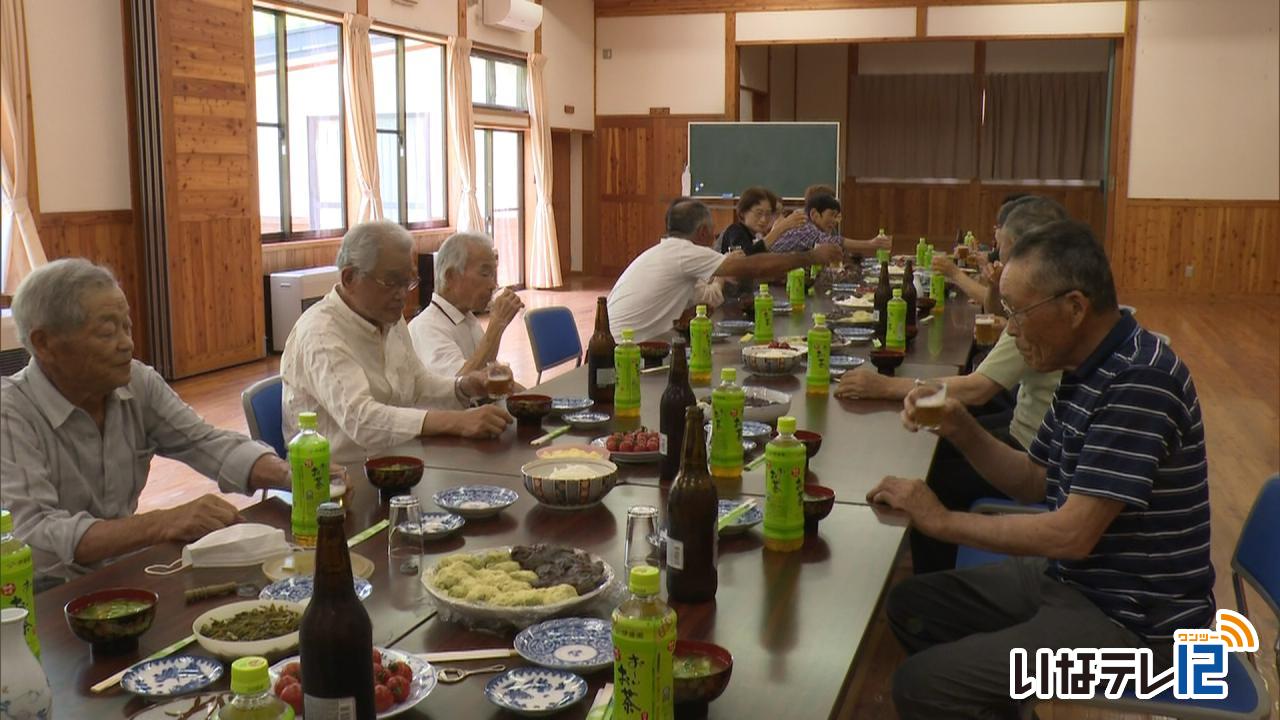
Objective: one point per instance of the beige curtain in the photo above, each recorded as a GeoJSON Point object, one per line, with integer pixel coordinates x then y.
{"type": "Point", "coordinates": [1044, 126]}
{"type": "Point", "coordinates": [25, 252]}
{"type": "Point", "coordinates": [462, 135]}
{"type": "Point", "coordinates": [912, 126]}
{"type": "Point", "coordinates": [542, 253]}
{"type": "Point", "coordinates": [361, 115]}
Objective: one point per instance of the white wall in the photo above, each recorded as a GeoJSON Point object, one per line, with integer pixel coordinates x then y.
{"type": "Point", "coordinates": [822, 82]}
{"type": "Point", "coordinates": [337, 5]}
{"type": "Point", "coordinates": [825, 25]}
{"type": "Point", "coordinates": [923, 58]}
{"type": "Point", "coordinates": [567, 37]}
{"type": "Point", "coordinates": [433, 17]}
{"type": "Point", "coordinates": [782, 81]}
{"type": "Point", "coordinates": [1206, 100]}
{"type": "Point", "coordinates": [488, 35]}
{"type": "Point", "coordinates": [1065, 55]}
{"type": "Point", "coordinates": [753, 67]}
{"type": "Point", "coordinates": [75, 55]}
{"type": "Point", "coordinates": [660, 61]}
{"type": "Point", "coordinates": [1063, 18]}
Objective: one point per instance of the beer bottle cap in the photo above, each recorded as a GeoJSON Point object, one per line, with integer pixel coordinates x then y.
{"type": "Point", "coordinates": [329, 509]}
{"type": "Point", "coordinates": [764, 288]}
{"type": "Point", "coordinates": [728, 375]}
{"type": "Point", "coordinates": [702, 311]}
{"type": "Point", "coordinates": [787, 425]}
{"type": "Point", "coordinates": [644, 580]}
{"type": "Point", "coordinates": [897, 292]}
{"type": "Point", "coordinates": [249, 676]}
{"type": "Point", "coordinates": [6, 522]}
{"type": "Point", "coordinates": [628, 335]}
{"type": "Point", "coordinates": [307, 420]}
{"type": "Point", "coordinates": [819, 320]}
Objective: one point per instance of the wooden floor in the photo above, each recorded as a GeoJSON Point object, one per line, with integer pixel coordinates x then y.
{"type": "Point", "coordinates": [1229, 344]}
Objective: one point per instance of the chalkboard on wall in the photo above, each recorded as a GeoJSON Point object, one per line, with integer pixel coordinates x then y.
{"type": "Point", "coordinates": [727, 157]}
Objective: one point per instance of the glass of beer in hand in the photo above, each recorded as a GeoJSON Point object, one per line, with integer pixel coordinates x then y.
{"type": "Point", "coordinates": [498, 382]}
{"type": "Point", "coordinates": [985, 330]}
{"type": "Point", "coordinates": [931, 398]}
{"type": "Point", "coordinates": [962, 255]}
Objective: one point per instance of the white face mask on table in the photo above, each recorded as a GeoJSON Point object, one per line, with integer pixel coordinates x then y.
{"type": "Point", "coordinates": [232, 546]}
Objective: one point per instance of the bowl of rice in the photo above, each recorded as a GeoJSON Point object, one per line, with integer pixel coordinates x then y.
{"type": "Point", "coordinates": [569, 483]}
{"type": "Point", "coordinates": [765, 360]}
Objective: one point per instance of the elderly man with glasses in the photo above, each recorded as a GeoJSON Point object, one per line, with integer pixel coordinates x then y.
{"type": "Point", "coordinates": [350, 360]}
{"type": "Point", "coordinates": [1121, 560]}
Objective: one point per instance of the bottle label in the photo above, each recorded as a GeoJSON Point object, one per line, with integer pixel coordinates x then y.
{"type": "Point", "coordinates": [819, 371]}
{"type": "Point", "coordinates": [726, 432]}
{"type": "Point", "coordinates": [606, 376]}
{"type": "Point", "coordinates": [784, 492]}
{"type": "Point", "coordinates": [662, 444]}
{"type": "Point", "coordinates": [675, 554]}
{"type": "Point", "coordinates": [316, 708]}
{"type": "Point", "coordinates": [643, 672]}
{"type": "Point", "coordinates": [309, 465]}
{"type": "Point", "coordinates": [17, 590]}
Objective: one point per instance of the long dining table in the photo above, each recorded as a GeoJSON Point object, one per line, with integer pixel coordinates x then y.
{"type": "Point", "coordinates": [794, 622]}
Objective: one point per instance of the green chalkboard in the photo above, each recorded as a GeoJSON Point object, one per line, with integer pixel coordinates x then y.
{"type": "Point", "coordinates": [727, 157]}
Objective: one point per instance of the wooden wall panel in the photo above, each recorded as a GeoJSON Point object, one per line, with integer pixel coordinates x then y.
{"type": "Point", "coordinates": [107, 238]}
{"type": "Point", "coordinates": [1232, 246]}
{"type": "Point", "coordinates": [214, 251]}
{"type": "Point", "coordinates": [561, 196]}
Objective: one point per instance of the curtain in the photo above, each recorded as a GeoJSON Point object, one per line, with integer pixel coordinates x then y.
{"type": "Point", "coordinates": [462, 135]}
{"type": "Point", "coordinates": [361, 115]}
{"type": "Point", "coordinates": [542, 254]}
{"type": "Point", "coordinates": [24, 252]}
{"type": "Point", "coordinates": [912, 126]}
{"type": "Point", "coordinates": [1045, 126]}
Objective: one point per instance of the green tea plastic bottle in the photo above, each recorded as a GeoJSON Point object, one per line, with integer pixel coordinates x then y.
{"type": "Point", "coordinates": [928, 255]}
{"type": "Point", "coordinates": [795, 289]}
{"type": "Point", "coordinates": [700, 347]}
{"type": "Point", "coordinates": [817, 377]}
{"type": "Point", "coordinates": [922, 252]}
{"type": "Point", "coordinates": [764, 315]}
{"type": "Point", "coordinates": [253, 700]}
{"type": "Point", "coordinates": [626, 359]}
{"type": "Point", "coordinates": [938, 291]}
{"type": "Point", "coordinates": [727, 403]}
{"type": "Point", "coordinates": [17, 579]}
{"type": "Point", "coordinates": [896, 331]}
{"type": "Point", "coordinates": [883, 254]}
{"type": "Point", "coordinates": [644, 637]}
{"type": "Point", "coordinates": [309, 463]}
{"type": "Point", "coordinates": [784, 461]}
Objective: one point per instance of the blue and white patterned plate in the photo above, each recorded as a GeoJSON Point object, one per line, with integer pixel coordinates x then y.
{"type": "Point", "coordinates": [780, 308]}
{"type": "Point", "coordinates": [475, 501]}
{"type": "Point", "coordinates": [747, 520]}
{"type": "Point", "coordinates": [174, 675]}
{"type": "Point", "coordinates": [846, 362]}
{"type": "Point", "coordinates": [298, 588]}
{"type": "Point", "coordinates": [751, 430]}
{"type": "Point", "coordinates": [562, 405]}
{"type": "Point", "coordinates": [844, 287]}
{"type": "Point", "coordinates": [587, 419]}
{"type": "Point", "coordinates": [856, 334]}
{"type": "Point", "coordinates": [436, 525]}
{"type": "Point", "coordinates": [578, 644]}
{"type": "Point", "coordinates": [719, 336]}
{"type": "Point", "coordinates": [535, 691]}
{"type": "Point", "coordinates": [735, 327]}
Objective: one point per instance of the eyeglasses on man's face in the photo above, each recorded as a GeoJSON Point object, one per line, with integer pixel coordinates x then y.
{"type": "Point", "coordinates": [397, 284]}
{"type": "Point", "coordinates": [1017, 317]}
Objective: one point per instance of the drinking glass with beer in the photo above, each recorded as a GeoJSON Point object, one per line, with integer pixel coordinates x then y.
{"type": "Point", "coordinates": [498, 381]}
{"type": "Point", "coordinates": [985, 330]}
{"type": "Point", "coordinates": [931, 399]}
{"type": "Point", "coordinates": [962, 255]}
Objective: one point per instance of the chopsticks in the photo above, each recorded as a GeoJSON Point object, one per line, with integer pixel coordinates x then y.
{"type": "Point", "coordinates": [367, 533]}
{"type": "Point", "coordinates": [755, 463]}
{"type": "Point", "coordinates": [168, 650]}
{"type": "Point", "coordinates": [728, 518]}
{"type": "Point", "coordinates": [464, 655]}
{"type": "Point", "coordinates": [602, 706]}
{"type": "Point", "coordinates": [543, 440]}
{"type": "Point", "coordinates": [655, 369]}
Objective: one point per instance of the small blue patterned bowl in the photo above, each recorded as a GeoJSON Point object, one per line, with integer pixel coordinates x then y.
{"type": "Point", "coordinates": [174, 675]}
{"type": "Point", "coordinates": [476, 501]}
{"type": "Point", "coordinates": [577, 644]}
{"type": "Point", "coordinates": [535, 692]}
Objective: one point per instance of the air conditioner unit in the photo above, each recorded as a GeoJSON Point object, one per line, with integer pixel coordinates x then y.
{"type": "Point", "coordinates": [289, 294]}
{"type": "Point", "coordinates": [515, 15]}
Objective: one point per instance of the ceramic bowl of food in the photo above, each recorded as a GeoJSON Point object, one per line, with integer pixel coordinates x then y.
{"type": "Point", "coordinates": [528, 409]}
{"type": "Point", "coordinates": [653, 352]}
{"type": "Point", "coordinates": [253, 627]}
{"type": "Point", "coordinates": [886, 361]}
{"type": "Point", "coordinates": [764, 404]}
{"type": "Point", "coordinates": [818, 501]}
{"type": "Point", "coordinates": [569, 483]}
{"type": "Point", "coordinates": [812, 441]}
{"type": "Point", "coordinates": [393, 473]}
{"type": "Point", "coordinates": [701, 670]}
{"type": "Point", "coordinates": [112, 620]}
{"type": "Point", "coordinates": [765, 360]}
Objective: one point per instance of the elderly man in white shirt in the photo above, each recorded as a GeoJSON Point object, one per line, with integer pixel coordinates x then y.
{"type": "Point", "coordinates": [81, 422]}
{"type": "Point", "coordinates": [660, 284]}
{"type": "Point", "coordinates": [349, 359]}
{"type": "Point", "coordinates": [446, 334]}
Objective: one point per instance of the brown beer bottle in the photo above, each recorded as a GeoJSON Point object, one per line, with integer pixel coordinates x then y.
{"type": "Point", "coordinates": [335, 638]}
{"type": "Point", "coordinates": [601, 376]}
{"type": "Point", "coordinates": [884, 292]}
{"type": "Point", "coordinates": [692, 511]}
{"type": "Point", "coordinates": [675, 400]}
{"type": "Point", "coordinates": [909, 295]}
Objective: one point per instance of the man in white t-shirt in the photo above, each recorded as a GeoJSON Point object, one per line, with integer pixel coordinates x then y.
{"type": "Point", "coordinates": [659, 285]}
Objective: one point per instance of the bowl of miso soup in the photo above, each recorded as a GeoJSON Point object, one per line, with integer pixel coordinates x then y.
{"type": "Point", "coordinates": [112, 620]}
{"type": "Point", "coordinates": [701, 670]}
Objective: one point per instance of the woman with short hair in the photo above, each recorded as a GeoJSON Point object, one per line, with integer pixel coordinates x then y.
{"type": "Point", "coordinates": [756, 225]}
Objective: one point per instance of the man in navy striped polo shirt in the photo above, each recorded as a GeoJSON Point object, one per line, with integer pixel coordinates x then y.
{"type": "Point", "coordinates": [1122, 558]}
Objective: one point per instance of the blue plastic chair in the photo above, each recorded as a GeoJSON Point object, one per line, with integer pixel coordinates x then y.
{"type": "Point", "coordinates": [263, 411]}
{"type": "Point", "coordinates": [553, 336]}
{"type": "Point", "coordinates": [967, 557]}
